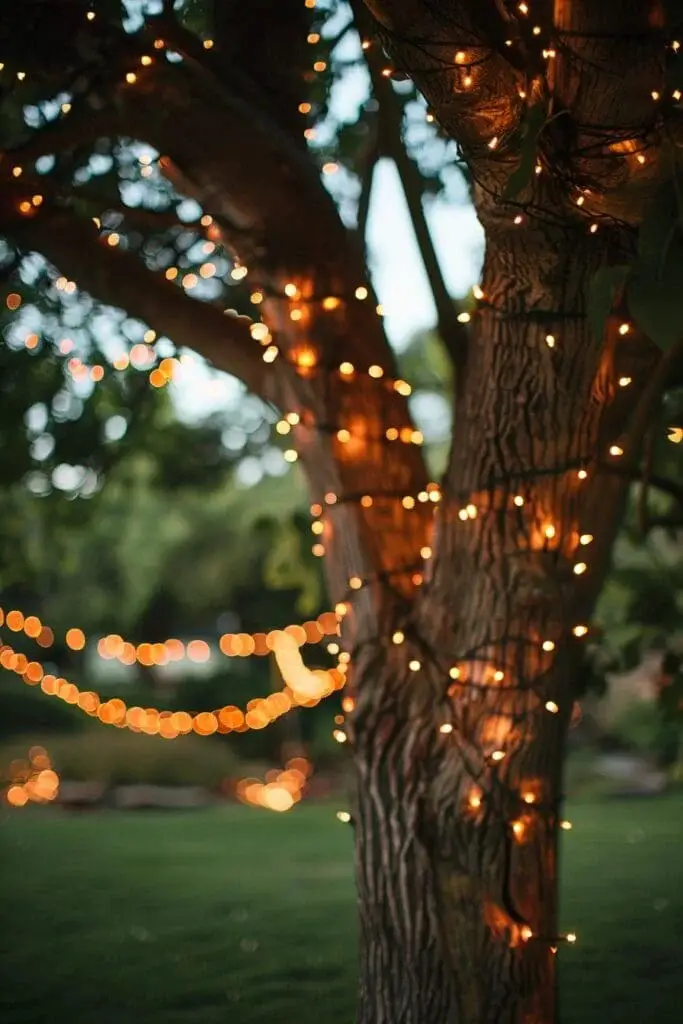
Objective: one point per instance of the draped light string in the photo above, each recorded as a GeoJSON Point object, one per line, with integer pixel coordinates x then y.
{"type": "Point", "coordinates": [113, 646]}
{"type": "Point", "coordinates": [303, 687]}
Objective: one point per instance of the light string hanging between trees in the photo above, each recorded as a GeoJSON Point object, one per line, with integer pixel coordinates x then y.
{"type": "Point", "coordinates": [302, 688]}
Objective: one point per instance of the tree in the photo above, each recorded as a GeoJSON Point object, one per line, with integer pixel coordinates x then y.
{"type": "Point", "coordinates": [464, 606]}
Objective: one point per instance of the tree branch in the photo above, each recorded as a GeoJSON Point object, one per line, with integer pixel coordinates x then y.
{"type": "Point", "coordinates": [654, 480]}
{"type": "Point", "coordinates": [367, 177]}
{"type": "Point", "coordinates": [453, 335]}
{"type": "Point", "coordinates": [81, 125]}
{"type": "Point", "coordinates": [118, 278]}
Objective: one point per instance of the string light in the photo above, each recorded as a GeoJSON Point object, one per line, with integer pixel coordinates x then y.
{"type": "Point", "coordinates": [303, 688]}
{"type": "Point", "coordinates": [231, 645]}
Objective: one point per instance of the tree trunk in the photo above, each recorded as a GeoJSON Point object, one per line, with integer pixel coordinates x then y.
{"type": "Point", "coordinates": [456, 872]}
{"type": "Point", "coordinates": [459, 726]}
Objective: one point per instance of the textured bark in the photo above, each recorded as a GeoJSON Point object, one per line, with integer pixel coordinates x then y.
{"type": "Point", "coordinates": [459, 902]}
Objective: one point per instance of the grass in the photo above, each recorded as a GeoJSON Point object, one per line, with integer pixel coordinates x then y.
{"type": "Point", "coordinates": [242, 916]}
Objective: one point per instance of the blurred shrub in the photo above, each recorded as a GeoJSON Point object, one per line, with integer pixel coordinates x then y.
{"type": "Point", "coordinates": [119, 757]}
{"type": "Point", "coordinates": [25, 710]}
{"type": "Point", "coordinates": [644, 727]}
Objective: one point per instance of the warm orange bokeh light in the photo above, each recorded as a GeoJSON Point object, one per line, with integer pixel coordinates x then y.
{"type": "Point", "coordinates": [75, 639]}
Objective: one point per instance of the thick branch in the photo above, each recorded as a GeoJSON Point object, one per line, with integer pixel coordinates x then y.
{"type": "Point", "coordinates": [118, 278]}
{"type": "Point", "coordinates": [473, 97]}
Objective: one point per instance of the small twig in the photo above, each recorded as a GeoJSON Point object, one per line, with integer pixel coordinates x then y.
{"type": "Point", "coordinates": [366, 179]}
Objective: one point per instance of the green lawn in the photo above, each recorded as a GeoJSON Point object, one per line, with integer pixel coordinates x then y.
{"type": "Point", "coordinates": [239, 916]}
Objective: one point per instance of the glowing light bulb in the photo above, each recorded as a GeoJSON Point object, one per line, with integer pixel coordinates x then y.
{"type": "Point", "coordinates": [548, 645]}
{"type": "Point", "coordinates": [624, 382]}
{"type": "Point", "coordinates": [497, 755]}
{"type": "Point", "coordinates": [550, 531]}
{"type": "Point", "coordinates": [550, 340]}
{"type": "Point", "coordinates": [518, 500]}
{"type": "Point", "coordinates": [624, 328]}
{"type": "Point", "coordinates": [552, 707]}
{"type": "Point", "coordinates": [580, 568]}
{"type": "Point", "coordinates": [398, 637]}
{"type": "Point", "coordinates": [446, 727]}
{"type": "Point", "coordinates": [566, 825]}
{"type": "Point", "coordinates": [414, 665]}
{"type": "Point", "coordinates": [580, 630]}
{"type": "Point", "coordinates": [343, 816]}
{"type": "Point", "coordinates": [616, 450]}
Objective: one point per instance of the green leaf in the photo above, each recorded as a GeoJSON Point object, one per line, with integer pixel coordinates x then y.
{"type": "Point", "coordinates": [604, 286]}
{"type": "Point", "coordinates": [532, 125]}
{"type": "Point", "coordinates": [655, 296]}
